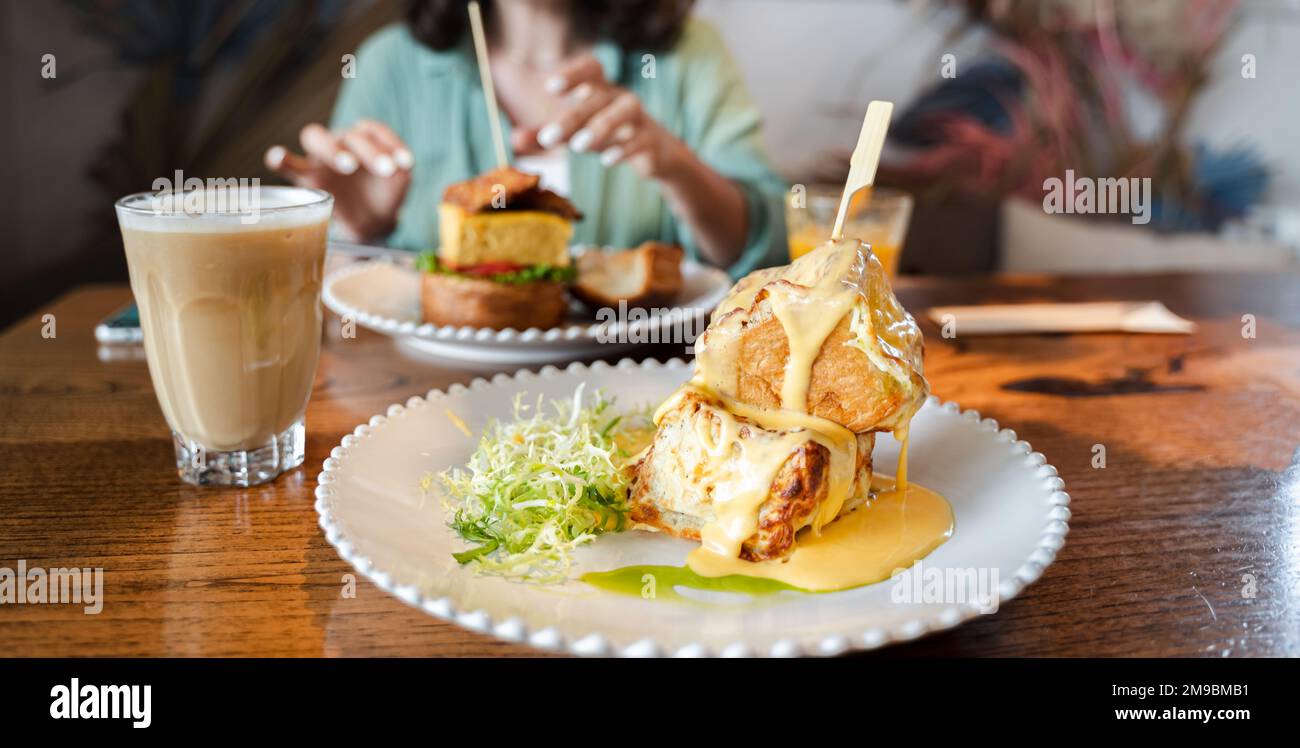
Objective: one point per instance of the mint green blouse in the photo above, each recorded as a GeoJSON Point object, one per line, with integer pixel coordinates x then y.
{"type": "Point", "coordinates": [434, 101]}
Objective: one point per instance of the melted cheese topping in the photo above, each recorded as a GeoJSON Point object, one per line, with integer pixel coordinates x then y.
{"type": "Point", "coordinates": [865, 546]}
{"type": "Point", "coordinates": [812, 318]}
{"type": "Point", "coordinates": [903, 522]}
{"type": "Point", "coordinates": [746, 483]}
{"type": "Point", "coordinates": [841, 443]}
{"type": "Point", "coordinates": [901, 475]}
{"type": "Point", "coordinates": [814, 294]}
{"type": "Point", "coordinates": [742, 481]}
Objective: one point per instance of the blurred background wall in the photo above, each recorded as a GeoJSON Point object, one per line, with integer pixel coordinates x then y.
{"type": "Point", "coordinates": [812, 64]}
{"type": "Point", "coordinates": [143, 87]}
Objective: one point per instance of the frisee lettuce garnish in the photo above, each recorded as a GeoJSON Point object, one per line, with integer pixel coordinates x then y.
{"type": "Point", "coordinates": [542, 484]}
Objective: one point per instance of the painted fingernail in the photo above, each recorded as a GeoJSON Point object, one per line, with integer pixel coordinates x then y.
{"type": "Point", "coordinates": [581, 93]}
{"type": "Point", "coordinates": [554, 84]}
{"type": "Point", "coordinates": [275, 156]}
{"type": "Point", "coordinates": [611, 155]}
{"type": "Point", "coordinates": [384, 166]}
{"type": "Point", "coordinates": [549, 135]}
{"type": "Point", "coordinates": [345, 163]}
{"type": "Point", "coordinates": [404, 158]}
{"type": "Point", "coordinates": [581, 139]}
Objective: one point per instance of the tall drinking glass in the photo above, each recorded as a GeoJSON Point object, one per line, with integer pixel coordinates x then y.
{"type": "Point", "coordinates": [877, 216]}
{"type": "Point", "coordinates": [229, 298]}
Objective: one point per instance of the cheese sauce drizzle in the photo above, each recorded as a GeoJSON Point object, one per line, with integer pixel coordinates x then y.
{"type": "Point", "coordinates": [868, 545]}
{"type": "Point", "coordinates": [902, 522]}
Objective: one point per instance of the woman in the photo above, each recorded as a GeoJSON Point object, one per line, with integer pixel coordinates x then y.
{"type": "Point", "coordinates": [632, 109]}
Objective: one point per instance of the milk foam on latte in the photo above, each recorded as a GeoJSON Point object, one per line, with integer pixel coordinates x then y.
{"type": "Point", "coordinates": [230, 312]}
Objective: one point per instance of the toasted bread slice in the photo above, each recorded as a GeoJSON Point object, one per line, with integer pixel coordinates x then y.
{"type": "Point", "coordinates": [845, 386]}
{"type": "Point", "coordinates": [648, 275]}
{"type": "Point", "coordinates": [672, 489]}
{"type": "Point", "coordinates": [507, 189]}
{"type": "Point", "coordinates": [545, 201]}
{"type": "Point", "coordinates": [476, 302]}
{"type": "Point", "coordinates": [867, 374]}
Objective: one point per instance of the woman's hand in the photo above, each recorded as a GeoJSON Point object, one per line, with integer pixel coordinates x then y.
{"type": "Point", "coordinates": [367, 168]}
{"type": "Point", "coordinates": [601, 117]}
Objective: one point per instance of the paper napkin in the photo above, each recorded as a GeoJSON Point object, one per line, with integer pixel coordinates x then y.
{"type": "Point", "coordinates": [1093, 316]}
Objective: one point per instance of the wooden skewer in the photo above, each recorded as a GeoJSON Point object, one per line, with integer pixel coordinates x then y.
{"type": "Point", "coordinates": [485, 75]}
{"type": "Point", "coordinates": [865, 159]}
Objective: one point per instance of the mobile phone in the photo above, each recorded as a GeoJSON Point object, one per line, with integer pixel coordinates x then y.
{"type": "Point", "coordinates": [121, 327]}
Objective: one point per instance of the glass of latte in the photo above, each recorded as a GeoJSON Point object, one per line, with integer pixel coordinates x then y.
{"type": "Point", "coordinates": [228, 283]}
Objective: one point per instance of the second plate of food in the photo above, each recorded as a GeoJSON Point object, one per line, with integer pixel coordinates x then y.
{"type": "Point", "coordinates": [386, 297]}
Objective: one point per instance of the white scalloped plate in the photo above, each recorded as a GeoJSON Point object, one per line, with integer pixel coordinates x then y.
{"type": "Point", "coordinates": [1011, 516]}
{"type": "Point", "coordinates": [385, 297]}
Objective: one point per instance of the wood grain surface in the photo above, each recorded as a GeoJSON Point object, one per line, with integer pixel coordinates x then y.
{"type": "Point", "coordinates": [1186, 543]}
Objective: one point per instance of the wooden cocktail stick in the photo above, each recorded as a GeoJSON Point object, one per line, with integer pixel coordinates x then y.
{"type": "Point", "coordinates": [866, 156]}
{"type": "Point", "coordinates": [485, 75]}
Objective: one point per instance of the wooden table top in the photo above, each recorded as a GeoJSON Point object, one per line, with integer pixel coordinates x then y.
{"type": "Point", "coordinates": [1187, 543]}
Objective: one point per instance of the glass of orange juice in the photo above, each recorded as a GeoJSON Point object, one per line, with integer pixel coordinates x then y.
{"type": "Point", "coordinates": [877, 216]}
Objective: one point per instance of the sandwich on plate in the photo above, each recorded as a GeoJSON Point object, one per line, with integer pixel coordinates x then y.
{"type": "Point", "coordinates": [503, 258]}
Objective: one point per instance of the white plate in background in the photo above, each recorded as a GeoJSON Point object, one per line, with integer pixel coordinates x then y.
{"type": "Point", "coordinates": [385, 297]}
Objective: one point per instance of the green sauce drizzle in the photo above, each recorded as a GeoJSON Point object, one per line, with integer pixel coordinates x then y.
{"type": "Point", "coordinates": [660, 582]}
